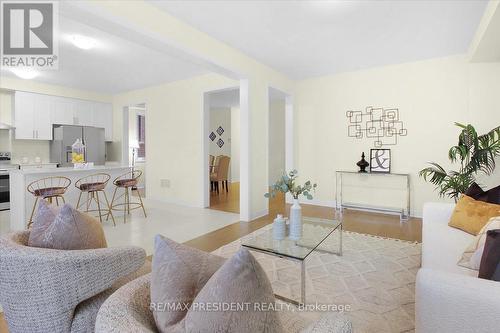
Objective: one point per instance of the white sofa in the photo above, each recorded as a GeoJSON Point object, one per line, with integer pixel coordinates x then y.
{"type": "Point", "coordinates": [450, 298]}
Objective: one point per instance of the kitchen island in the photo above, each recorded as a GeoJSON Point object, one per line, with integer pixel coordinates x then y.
{"type": "Point", "coordinates": [21, 201]}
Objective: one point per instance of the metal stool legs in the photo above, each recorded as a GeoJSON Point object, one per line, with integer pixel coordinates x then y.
{"type": "Point", "coordinates": [126, 202]}
{"type": "Point", "coordinates": [94, 196]}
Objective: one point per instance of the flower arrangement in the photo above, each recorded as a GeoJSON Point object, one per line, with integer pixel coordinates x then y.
{"type": "Point", "coordinates": [287, 183]}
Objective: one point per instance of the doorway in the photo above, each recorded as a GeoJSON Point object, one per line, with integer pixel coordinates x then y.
{"type": "Point", "coordinates": [224, 149]}
{"type": "Point", "coordinates": [134, 141]}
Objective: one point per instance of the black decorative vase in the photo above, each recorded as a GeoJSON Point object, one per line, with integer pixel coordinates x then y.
{"type": "Point", "coordinates": [362, 163]}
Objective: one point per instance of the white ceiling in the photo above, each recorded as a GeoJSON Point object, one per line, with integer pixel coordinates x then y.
{"type": "Point", "coordinates": [114, 65]}
{"type": "Point", "coordinates": [313, 38]}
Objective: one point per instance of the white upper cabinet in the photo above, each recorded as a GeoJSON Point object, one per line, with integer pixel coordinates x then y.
{"type": "Point", "coordinates": [43, 117]}
{"type": "Point", "coordinates": [32, 116]}
{"type": "Point", "coordinates": [35, 115]}
{"type": "Point", "coordinates": [83, 113]}
{"type": "Point", "coordinates": [102, 115]}
{"type": "Point", "coordinates": [63, 112]}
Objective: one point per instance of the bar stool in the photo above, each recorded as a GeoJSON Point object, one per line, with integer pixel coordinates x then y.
{"type": "Point", "coordinates": [92, 185]}
{"type": "Point", "coordinates": [126, 181]}
{"type": "Point", "coordinates": [48, 188]}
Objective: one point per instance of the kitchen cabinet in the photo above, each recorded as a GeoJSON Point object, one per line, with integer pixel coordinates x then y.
{"type": "Point", "coordinates": [63, 111]}
{"type": "Point", "coordinates": [83, 113]}
{"type": "Point", "coordinates": [35, 114]}
{"type": "Point", "coordinates": [102, 114]}
{"type": "Point", "coordinates": [32, 116]}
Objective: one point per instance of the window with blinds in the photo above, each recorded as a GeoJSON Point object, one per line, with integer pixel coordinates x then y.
{"type": "Point", "coordinates": [141, 136]}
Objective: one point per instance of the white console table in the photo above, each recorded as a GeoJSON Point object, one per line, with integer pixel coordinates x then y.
{"type": "Point", "coordinates": [381, 192]}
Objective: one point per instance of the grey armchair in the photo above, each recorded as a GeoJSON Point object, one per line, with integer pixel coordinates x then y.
{"type": "Point", "coordinates": [128, 311]}
{"type": "Point", "coordinates": [44, 290]}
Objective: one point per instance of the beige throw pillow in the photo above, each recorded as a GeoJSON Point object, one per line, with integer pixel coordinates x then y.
{"type": "Point", "coordinates": [178, 274]}
{"type": "Point", "coordinates": [471, 258]}
{"type": "Point", "coordinates": [241, 280]}
{"type": "Point", "coordinates": [188, 284]}
{"type": "Point", "coordinates": [65, 228]}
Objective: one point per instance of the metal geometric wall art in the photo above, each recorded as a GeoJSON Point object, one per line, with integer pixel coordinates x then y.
{"type": "Point", "coordinates": [212, 136]}
{"type": "Point", "coordinates": [381, 124]}
{"type": "Point", "coordinates": [220, 130]}
{"type": "Point", "coordinates": [220, 143]}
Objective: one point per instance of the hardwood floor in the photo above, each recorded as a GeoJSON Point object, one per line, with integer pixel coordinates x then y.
{"type": "Point", "coordinates": [363, 222]}
{"type": "Point", "coordinates": [226, 201]}
{"type": "Point", "coordinates": [357, 221]}
{"type": "Point", "coordinates": [3, 324]}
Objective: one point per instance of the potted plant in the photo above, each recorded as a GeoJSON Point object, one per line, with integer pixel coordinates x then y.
{"type": "Point", "coordinates": [474, 153]}
{"type": "Point", "coordinates": [287, 184]}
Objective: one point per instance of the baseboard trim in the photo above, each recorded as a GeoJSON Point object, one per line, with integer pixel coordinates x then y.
{"type": "Point", "coordinates": [259, 214]}
{"type": "Point", "coordinates": [323, 203]}
{"type": "Point", "coordinates": [332, 204]}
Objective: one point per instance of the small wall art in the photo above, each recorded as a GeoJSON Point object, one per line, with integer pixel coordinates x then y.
{"type": "Point", "coordinates": [380, 160]}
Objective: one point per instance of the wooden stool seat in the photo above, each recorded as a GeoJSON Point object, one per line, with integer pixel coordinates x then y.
{"type": "Point", "coordinates": [93, 185]}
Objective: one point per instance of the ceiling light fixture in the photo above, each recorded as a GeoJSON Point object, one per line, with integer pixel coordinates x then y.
{"type": "Point", "coordinates": [25, 73]}
{"type": "Point", "coordinates": [83, 42]}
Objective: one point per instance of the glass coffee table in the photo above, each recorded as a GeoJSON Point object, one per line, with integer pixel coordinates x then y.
{"type": "Point", "coordinates": [315, 231]}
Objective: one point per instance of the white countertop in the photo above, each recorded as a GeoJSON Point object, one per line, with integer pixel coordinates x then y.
{"type": "Point", "coordinates": [97, 168]}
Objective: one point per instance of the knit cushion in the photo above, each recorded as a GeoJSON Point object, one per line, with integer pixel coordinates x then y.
{"type": "Point", "coordinates": [178, 274]}
{"type": "Point", "coordinates": [241, 280]}
{"type": "Point", "coordinates": [65, 229]}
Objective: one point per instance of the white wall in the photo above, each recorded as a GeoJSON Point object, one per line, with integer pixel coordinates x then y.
{"type": "Point", "coordinates": [220, 117]}
{"type": "Point", "coordinates": [431, 96]}
{"type": "Point", "coordinates": [174, 135]}
{"type": "Point", "coordinates": [276, 140]}
{"type": "Point", "coordinates": [235, 144]}
{"type": "Point", "coordinates": [484, 95]}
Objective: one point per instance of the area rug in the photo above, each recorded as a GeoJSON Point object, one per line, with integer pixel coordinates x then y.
{"type": "Point", "coordinates": [375, 277]}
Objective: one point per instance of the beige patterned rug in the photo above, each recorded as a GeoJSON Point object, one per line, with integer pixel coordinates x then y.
{"type": "Point", "coordinates": [375, 277]}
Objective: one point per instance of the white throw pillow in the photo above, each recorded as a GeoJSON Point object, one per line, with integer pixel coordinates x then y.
{"type": "Point", "coordinates": [471, 258]}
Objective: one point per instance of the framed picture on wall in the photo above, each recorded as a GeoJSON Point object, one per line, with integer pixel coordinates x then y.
{"type": "Point", "coordinates": [380, 160]}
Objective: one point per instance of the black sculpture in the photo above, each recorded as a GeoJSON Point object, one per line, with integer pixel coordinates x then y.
{"type": "Point", "coordinates": [363, 164]}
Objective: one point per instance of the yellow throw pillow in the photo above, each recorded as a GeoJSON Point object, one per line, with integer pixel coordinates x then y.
{"type": "Point", "coordinates": [472, 215]}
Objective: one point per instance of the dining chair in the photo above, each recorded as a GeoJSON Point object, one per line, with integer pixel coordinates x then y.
{"type": "Point", "coordinates": [221, 173]}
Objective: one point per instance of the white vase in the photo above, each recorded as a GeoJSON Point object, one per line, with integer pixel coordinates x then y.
{"type": "Point", "coordinates": [279, 228]}
{"type": "Point", "coordinates": [295, 220]}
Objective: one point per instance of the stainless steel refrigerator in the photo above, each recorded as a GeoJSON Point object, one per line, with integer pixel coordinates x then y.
{"type": "Point", "coordinates": [65, 135]}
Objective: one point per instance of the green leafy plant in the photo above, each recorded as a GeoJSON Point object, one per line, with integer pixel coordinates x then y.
{"type": "Point", "coordinates": [474, 153]}
{"type": "Point", "coordinates": [287, 183]}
